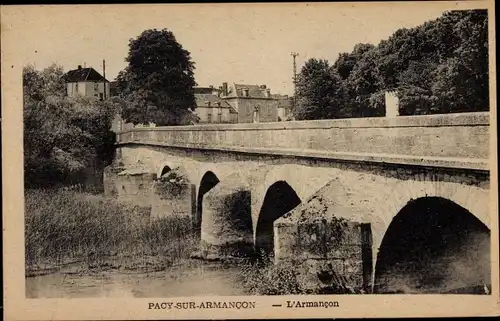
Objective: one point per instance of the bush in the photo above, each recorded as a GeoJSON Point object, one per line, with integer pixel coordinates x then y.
{"type": "Point", "coordinates": [265, 278]}
{"type": "Point", "coordinates": [289, 277]}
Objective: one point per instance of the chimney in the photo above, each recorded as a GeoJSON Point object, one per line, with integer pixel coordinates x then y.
{"type": "Point", "coordinates": [391, 104]}
{"type": "Point", "coordinates": [79, 66]}
{"type": "Point", "coordinates": [268, 93]}
{"type": "Point", "coordinates": [262, 86]}
{"type": "Point", "coordinates": [224, 89]}
{"type": "Point", "coordinates": [244, 92]}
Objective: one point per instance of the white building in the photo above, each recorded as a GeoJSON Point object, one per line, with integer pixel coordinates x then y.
{"type": "Point", "coordinates": [86, 82]}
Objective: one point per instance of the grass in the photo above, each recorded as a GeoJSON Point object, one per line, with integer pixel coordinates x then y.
{"type": "Point", "coordinates": [64, 226]}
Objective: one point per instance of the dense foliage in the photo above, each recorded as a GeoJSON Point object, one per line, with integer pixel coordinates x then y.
{"type": "Point", "coordinates": [63, 136]}
{"type": "Point", "coordinates": [438, 67]}
{"type": "Point", "coordinates": [158, 83]}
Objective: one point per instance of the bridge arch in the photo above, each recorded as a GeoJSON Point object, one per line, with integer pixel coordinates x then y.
{"type": "Point", "coordinates": [433, 245]}
{"type": "Point", "coordinates": [281, 188]}
{"type": "Point", "coordinates": [208, 176]}
{"type": "Point", "coordinates": [280, 199]}
{"type": "Point", "coordinates": [385, 203]}
{"type": "Point", "coordinates": [208, 181]}
{"type": "Point", "coordinates": [163, 169]}
{"type": "Point", "coordinates": [183, 176]}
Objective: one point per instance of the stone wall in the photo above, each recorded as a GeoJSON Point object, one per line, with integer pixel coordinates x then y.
{"type": "Point", "coordinates": [429, 140]}
{"type": "Point", "coordinates": [131, 185]}
{"type": "Point", "coordinates": [226, 224]}
{"type": "Point", "coordinates": [172, 194]}
{"type": "Point", "coordinates": [328, 249]}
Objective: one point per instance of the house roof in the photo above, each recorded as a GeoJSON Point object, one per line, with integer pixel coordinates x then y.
{"type": "Point", "coordinates": [83, 74]}
{"type": "Point", "coordinates": [254, 91]}
{"type": "Point", "coordinates": [204, 90]}
{"type": "Point", "coordinates": [203, 99]}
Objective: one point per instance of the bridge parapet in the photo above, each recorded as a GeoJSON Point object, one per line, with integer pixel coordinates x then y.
{"type": "Point", "coordinates": [449, 140]}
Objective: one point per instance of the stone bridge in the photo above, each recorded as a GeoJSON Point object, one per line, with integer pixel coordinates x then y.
{"type": "Point", "coordinates": [389, 204]}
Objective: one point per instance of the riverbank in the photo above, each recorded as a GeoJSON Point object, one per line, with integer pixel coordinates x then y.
{"type": "Point", "coordinates": [82, 238]}
{"type": "Point", "coordinates": [85, 245]}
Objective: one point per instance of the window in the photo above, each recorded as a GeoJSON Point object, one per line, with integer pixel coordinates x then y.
{"type": "Point", "coordinates": [76, 87]}
{"type": "Point", "coordinates": [101, 96]}
{"type": "Point", "coordinates": [96, 87]}
{"type": "Point", "coordinates": [219, 117]}
{"type": "Point", "coordinates": [209, 116]}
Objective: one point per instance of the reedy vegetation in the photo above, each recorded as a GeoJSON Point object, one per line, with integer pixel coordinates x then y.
{"type": "Point", "coordinates": [62, 225]}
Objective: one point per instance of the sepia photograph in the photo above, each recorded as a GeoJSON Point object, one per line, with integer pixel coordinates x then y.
{"type": "Point", "coordinates": [299, 153]}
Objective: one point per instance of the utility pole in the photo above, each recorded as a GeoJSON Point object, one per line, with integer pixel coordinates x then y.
{"type": "Point", "coordinates": [294, 55]}
{"type": "Point", "coordinates": [104, 75]}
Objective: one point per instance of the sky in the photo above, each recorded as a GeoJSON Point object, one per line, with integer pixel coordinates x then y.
{"type": "Point", "coordinates": [240, 43]}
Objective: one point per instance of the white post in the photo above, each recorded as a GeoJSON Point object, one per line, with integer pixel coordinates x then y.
{"type": "Point", "coordinates": [391, 104]}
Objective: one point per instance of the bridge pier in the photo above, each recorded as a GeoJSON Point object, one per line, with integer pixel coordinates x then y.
{"type": "Point", "coordinates": [131, 185]}
{"type": "Point", "coordinates": [226, 224]}
{"type": "Point", "coordinates": [172, 194]}
{"type": "Point", "coordinates": [333, 253]}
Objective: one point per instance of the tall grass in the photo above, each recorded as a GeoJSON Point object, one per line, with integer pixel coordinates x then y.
{"type": "Point", "coordinates": [64, 225]}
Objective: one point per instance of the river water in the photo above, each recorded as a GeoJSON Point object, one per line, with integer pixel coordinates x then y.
{"type": "Point", "coordinates": [204, 280]}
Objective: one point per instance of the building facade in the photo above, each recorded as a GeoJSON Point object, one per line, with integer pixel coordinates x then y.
{"type": "Point", "coordinates": [284, 107]}
{"type": "Point", "coordinates": [86, 82]}
{"type": "Point", "coordinates": [252, 103]}
{"type": "Point", "coordinates": [237, 103]}
{"type": "Point", "coordinates": [211, 108]}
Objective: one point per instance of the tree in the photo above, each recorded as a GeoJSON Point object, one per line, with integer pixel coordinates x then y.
{"type": "Point", "coordinates": [414, 88]}
{"type": "Point", "coordinates": [346, 61]}
{"type": "Point", "coordinates": [440, 66]}
{"type": "Point", "coordinates": [319, 91]}
{"type": "Point", "coordinates": [39, 86]}
{"type": "Point", "coordinates": [63, 136]}
{"type": "Point", "coordinates": [461, 82]}
{"type": "Point", "coordinates": [362, 83]}
{"type": "Point", "coordinates": [158, 83]}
